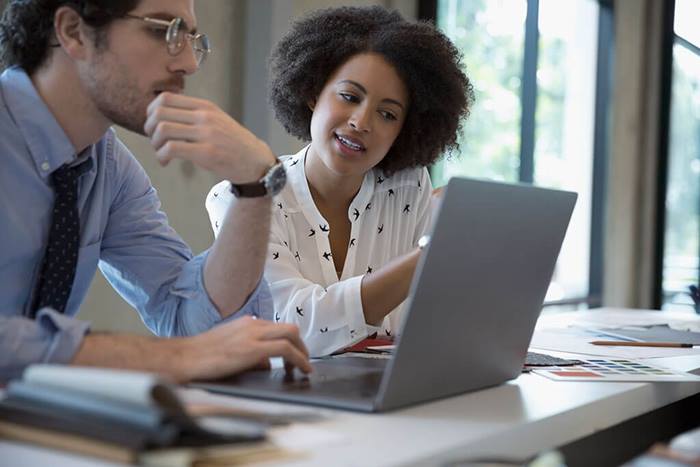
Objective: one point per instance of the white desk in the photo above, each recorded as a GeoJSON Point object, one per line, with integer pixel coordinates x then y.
{"type": "Point", "coordinates": [513, 421]}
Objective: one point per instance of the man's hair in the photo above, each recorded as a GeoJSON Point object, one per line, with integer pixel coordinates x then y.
{"type": "Point", "coordinates": [428, 63]}
{"type": "Point", "coordinates": [26, 26]}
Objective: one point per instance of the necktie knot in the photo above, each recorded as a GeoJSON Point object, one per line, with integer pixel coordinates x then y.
{"type": "Point", "coordinates": [69, 174]}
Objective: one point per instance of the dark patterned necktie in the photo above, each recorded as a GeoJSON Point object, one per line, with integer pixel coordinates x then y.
{"type": "Point", "coordinates": [61, 256]}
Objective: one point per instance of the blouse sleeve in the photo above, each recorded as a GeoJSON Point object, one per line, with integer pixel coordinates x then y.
{"type": "Point", "coordinates": [425, 212]}
{"type": "Point", "coordinates": [329, 319]}
{"type": "Point", "coordinates": [217, 203]}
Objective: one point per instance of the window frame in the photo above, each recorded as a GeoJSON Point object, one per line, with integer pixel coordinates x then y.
{"type": "Point", "coordinates": [427, 10]}
{"type": "Point", "coordinates": [669, 40]}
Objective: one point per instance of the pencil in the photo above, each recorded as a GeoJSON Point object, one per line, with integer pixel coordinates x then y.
{"type": "Point", "coordinates": [643, 344]}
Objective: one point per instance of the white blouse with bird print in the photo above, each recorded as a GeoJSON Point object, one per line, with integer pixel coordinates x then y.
{"type": "Point", "coordinates": [388, 216]}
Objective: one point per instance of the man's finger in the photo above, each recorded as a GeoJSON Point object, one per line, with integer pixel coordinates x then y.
{"type": "Point", "coordinates": [169, 114]}
{"type": "Point", "coordinates": [263, 364]}
{"type": "Point", "coordinates": [291, 354]}
{"type": "Point", "coordinates": [171, 131]}
{"type": "Point", "coordinates": [179, 101]}
{"type": "Point", "coordinates": [284, 331]}
{"type": "Point", "coordinates": [194, 152]}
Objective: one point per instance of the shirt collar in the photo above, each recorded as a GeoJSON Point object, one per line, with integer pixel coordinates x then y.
{"type": "Point", "coordinates": [302, 192]}
{"type": "Point", "coordinates": [300, 187]}
{"type": "Point", "coordinates": [48, 144]}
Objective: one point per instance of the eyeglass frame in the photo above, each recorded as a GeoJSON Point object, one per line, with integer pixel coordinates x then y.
{"type": "Point", "coordinates": [173, 26]}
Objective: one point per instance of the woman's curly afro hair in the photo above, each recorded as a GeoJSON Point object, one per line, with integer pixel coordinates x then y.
{"type": "Point", "coordinates": [440, 94]}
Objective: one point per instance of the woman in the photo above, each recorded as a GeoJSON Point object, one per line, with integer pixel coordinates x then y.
{"type": "Point", "coordinates": [379, 98]}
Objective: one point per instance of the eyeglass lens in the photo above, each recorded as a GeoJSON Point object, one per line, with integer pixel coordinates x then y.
{"type": "Point", "coordinates": [176, 36]}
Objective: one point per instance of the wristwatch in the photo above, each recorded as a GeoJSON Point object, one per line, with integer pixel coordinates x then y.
{"type": "Point", "coordinates": [269, 185]}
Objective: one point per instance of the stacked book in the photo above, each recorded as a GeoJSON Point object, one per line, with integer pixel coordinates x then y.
{"type": "Point", "coordinates": [123, 416]}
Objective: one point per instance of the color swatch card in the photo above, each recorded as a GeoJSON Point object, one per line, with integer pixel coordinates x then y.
{"type": "Point", "coordinates": [619, 369]}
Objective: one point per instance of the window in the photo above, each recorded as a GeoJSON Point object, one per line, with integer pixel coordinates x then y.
{"type": "Point", "coordinates": [534, 65]}
{"type": "Point", "coordinates": [681, 236]}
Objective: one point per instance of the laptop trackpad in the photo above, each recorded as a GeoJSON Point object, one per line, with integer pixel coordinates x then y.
{"type": "Point", "coordinates": [334, 377]}
{"type": "Point", "coordinates": [345, 382]}
{"type": "Point", "coordinates": [330, 375]}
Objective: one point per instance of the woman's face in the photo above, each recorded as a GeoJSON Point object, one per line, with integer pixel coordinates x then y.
{"type": "Point", "coordinates": [358, 115]}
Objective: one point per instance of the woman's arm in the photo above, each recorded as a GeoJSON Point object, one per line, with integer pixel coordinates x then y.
{"type": "Point", "coordinates": [385, 289]}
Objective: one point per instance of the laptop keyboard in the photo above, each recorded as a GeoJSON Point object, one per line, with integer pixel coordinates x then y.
{"type": "Point", "coordinates": [539, 359]}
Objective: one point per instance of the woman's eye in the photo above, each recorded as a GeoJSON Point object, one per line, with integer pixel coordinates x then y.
{"type": "Point", "coordinates": [387, 115]}
{"type": "Point", "coordinates": [348, 97]}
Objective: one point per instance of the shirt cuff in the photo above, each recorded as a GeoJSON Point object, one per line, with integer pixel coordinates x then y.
{"type": "Point", "coordinates": [199, 313]}
{"type": "Point", "coordinates": [357, 327]}
{"type": "Point", "coordinates": [67, 335]}
{"type": "Point", "coordinates": [259, 304]}
{"type": "Point", "coordinates": [373, 330]}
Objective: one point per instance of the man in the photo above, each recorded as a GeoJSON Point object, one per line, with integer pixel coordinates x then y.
{"type": "Point", "coordinates": [77, 67]}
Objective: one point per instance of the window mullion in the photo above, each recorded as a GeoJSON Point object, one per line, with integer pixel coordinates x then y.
{"type": "Point", "coordinates": [529, 94]}
{"type": "Point", "coordinates": [600, 150]}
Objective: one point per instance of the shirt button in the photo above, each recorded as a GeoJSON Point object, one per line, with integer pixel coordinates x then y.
{"type": "Point", "coordinates": [45, 166]}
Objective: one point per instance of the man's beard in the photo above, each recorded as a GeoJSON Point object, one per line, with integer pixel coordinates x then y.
{"type": "Point", "coordinates": [116, 95]}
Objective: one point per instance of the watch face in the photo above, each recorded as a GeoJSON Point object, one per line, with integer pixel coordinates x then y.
{"type": "Point", "coordinates": [275, 179]}
{"type": "Point", "coordinates": [271, 184]}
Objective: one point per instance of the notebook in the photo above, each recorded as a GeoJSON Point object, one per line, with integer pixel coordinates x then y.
{"type": "Point", "coordinates": [471, 311]}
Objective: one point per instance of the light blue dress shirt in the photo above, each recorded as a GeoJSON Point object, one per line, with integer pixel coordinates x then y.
{"type": "Point", "coordinates": [122, 229]}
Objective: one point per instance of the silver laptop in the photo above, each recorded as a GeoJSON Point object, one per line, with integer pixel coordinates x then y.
{"type": "Point", "coordinates": [474, 301]}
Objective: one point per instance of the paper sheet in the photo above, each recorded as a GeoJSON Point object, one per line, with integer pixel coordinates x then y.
{"type": "Point", "coordinates": [613, 318]}
{"type": "Point", "coordinates": [299, 437]}
{"type": "Point", "coordinates": [577, 341]}
{"type": "Point", "coordinates": [124, 385]}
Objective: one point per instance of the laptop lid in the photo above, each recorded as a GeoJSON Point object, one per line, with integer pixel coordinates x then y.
{"type": "Point", "coordinates": [477, 291]}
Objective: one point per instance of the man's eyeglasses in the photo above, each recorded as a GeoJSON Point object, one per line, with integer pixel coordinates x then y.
{"type": "Point", "coordinates": [176, 35]}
